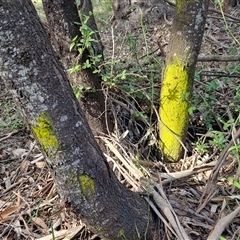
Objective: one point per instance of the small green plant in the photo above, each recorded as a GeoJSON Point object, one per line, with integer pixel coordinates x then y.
{"type": "Point", "coordinates": [204, 100]}
{"type": "Point", "coordinates": [222, 238]}
{"type": "Point", "coordinates": [233, 50]}
{"type": "Point", "coordinates": [10, 116]}
{"type": "Point", "coordinates": [226, 124]}
{"type": "Point", "coordinates": [78, 91]}
{"type": "Point", "coordinates": [234, 69]}
{"type": "Point", "coordinates": [52, 230]}
{"type": "Point", "coordinates": [234, 182]}
{"type": "Point", "coordinates": [121, 234]}
{"type": "Point", "coordinates": [200, 147]}
{"type": "Point", "coordinates": [34, 213]}
{"type": "Point", "coordinates": [235, 151]}
{"type": "Point", "coordinates": [191, 110]}
{"type": "Point", "coordinates": [218, 139]}
{"type": "Point", "coordinates": [85, 43]}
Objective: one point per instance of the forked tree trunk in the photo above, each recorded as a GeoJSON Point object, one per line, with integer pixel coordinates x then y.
{"type": "Point", "coordinates": [184, 45]}
{"type": "Point", "coordinates": [62, 16]}
{"type": "Point", "coordinates": [80, 171]}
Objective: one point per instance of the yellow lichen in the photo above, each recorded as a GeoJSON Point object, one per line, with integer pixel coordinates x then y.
{"type": "Point", "coordinates": [86, 185]}
{"type": "Point", "coordinates": [43, 131]}
{"type": "Point", "coordinates": [174, 109]}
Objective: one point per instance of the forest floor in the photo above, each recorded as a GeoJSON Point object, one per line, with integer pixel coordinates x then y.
{"type": "Point", "coordinates": [203, 188]}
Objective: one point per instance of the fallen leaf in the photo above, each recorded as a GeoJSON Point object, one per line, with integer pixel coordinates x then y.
{"type": "Point", "coordinates": [41, 164]}
{"type": "Point", "coordinates": [19, 152]}
{"type": "Point", "coordinates": [24, 166]}
{"type": "Point", "coordinates": [7, 182]}
{"type": "Point", "coordinates": [4, 154]}
{"type": "Point", "coordinates": [57, 223]}
{"type": "Point", "coordinates": [8, 211]}
{"type": "Point", "coordinates": [40, 222]}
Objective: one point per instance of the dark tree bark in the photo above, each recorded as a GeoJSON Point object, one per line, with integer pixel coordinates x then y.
{"type": "Point", "coordinates": [80, 171]}
{"type": "Point", "coordinates": [62, 16]}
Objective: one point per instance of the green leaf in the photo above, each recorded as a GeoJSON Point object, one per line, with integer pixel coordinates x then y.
{"type": "Point", "coordinates": [74, 69]}
{"type": "Point", "coordinates": [72, 46]}
{"type": "Point", "coordinates": [222, 238]}
{"type": "Point", "coordinates": [191, 110]}
{"type": "Point", "coordinates": [236, 184]}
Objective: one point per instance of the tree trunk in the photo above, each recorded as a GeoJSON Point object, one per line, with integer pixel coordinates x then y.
{"type": "Point", "coordinates": [62, 16]}
{"type": "Point", "coordinates": [178, 74]}
{"type": "Point", "coordinates": [83, 178]}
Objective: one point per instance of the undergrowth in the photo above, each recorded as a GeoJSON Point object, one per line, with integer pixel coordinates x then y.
{"type": "Point", "coordinates": [136, 75]}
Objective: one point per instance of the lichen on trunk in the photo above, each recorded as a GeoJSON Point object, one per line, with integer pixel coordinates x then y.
{"type": "Point", "coordinates": [174, 108]}
{"type": "Point", "coordinates": [177, 76]}
{"type": "Point", "coordinates": [44, 133]}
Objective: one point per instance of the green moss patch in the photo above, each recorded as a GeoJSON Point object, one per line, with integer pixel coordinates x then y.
{"type": "Point", "coordinates": [43, 131]}
{"type": "Point", "coordinates": [86, 186]}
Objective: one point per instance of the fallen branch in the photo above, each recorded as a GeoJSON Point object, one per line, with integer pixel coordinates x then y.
{"type": "Point", "coordinates": [218, 58]}
{"type": "Point", "coordinates": [169, 177]}
{"type": "Point", "coordinates": [167, 214]}
{"type": "Point", "coordinates": [223, 223]}
{"type": "Point", "coordinates": [225, 14]}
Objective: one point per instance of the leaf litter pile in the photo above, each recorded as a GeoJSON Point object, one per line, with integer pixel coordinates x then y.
{"type": "Point", "coordinates": [196, 198]}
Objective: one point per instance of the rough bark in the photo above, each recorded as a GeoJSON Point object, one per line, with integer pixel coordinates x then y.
{"type": "Point", "coordinates": [82, 175]}
{"type": "Point", "coordinates": [62, 16]}
{"type": "Point", "coordinates": [178, 73]}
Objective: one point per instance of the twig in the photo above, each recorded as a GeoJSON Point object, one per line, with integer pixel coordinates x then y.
{"type": "Point", "coordinates": [172, 3]}
{"type": "Point", "coordinates": [161, 49]}
{"type": "Point", "coordinates": [213, 39]}
{"type": "Point", "coordinates": [169, 177]}
{"type": "Point", "coordinates": [222, 224]}
{"type": "Point", "coordinates": [161, 201]}
{"type": "Point", "coordinates": [8, 136]}
{"type": "Point", "coordinates": [5, 94]}
{"type": "Point", "coordinates": [213, 177]}
{"type": "Point", "coordinates": [218, 58]}
{"type": "Point", "coordinates": [226, 14]}
{"type": "Point", "coordinates": [218, 74]}
{"type": "Point", "coordinates": [19, 182]}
